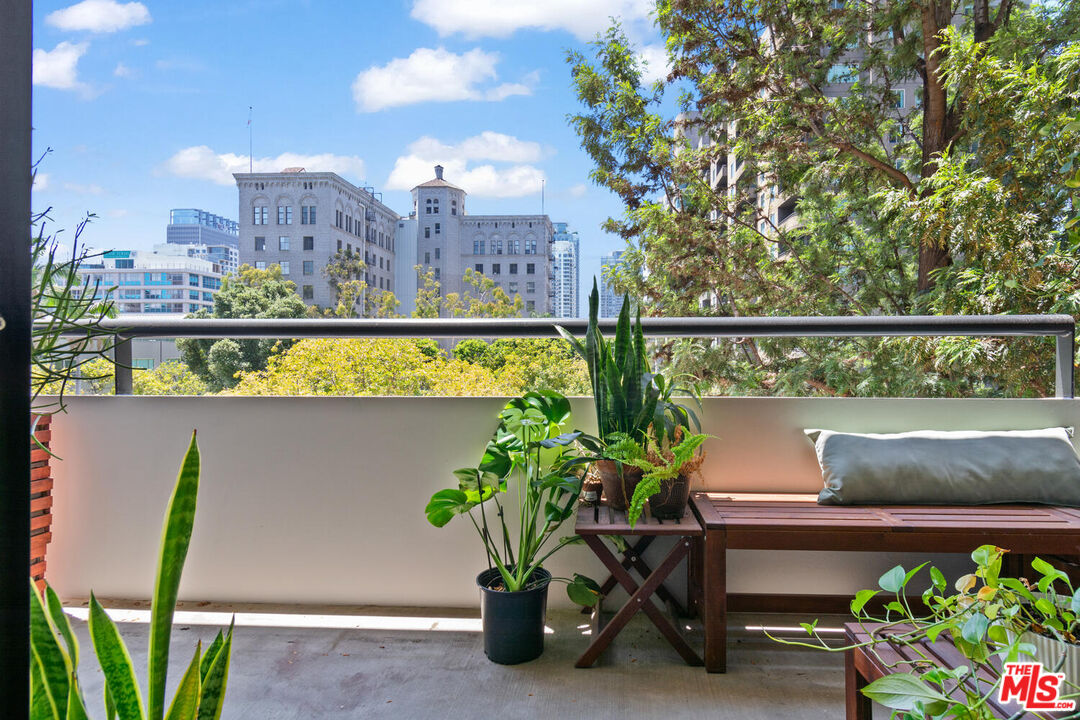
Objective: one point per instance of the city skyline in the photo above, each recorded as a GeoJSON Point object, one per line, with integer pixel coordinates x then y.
{"type": "Point", "coordinates": [163, 122]}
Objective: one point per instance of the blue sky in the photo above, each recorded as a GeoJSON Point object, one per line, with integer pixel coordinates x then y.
{"type": "Point", "coordinates": [145, 104]}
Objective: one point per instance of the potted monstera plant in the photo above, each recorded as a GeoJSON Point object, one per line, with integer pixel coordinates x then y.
{"type": "Point", "coordinates": [628, 397]}
{"type": "Point", "coordinates": [531, 463]}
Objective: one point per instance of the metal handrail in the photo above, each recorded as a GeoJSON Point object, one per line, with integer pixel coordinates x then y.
{"type": "Point", "coordinates": [1061, 327]}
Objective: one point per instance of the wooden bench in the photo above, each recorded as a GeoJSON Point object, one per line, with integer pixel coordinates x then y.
{"type": "Point", "coordinates": [796, 522]}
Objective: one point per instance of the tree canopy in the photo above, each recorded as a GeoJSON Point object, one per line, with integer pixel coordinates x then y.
{"type": "Point", "coordinates": [955, 203]}
{"type": "Point", "coordinates": [251, 293]}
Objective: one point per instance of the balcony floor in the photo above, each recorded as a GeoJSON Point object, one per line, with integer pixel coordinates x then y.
{"type": "Point", "coordinates": [283, 669]}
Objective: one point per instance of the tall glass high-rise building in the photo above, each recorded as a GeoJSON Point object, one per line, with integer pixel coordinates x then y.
{"type": "Point", "coordinates": [610, 301]}
{"type": "Point", "coordinates": [206, 235]}
{"type": "Point", "coordinates": [566, 251]}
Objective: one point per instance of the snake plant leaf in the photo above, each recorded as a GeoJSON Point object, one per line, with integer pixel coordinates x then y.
{"type": "Point", "coordinates": [175, 538]}
{"type": "Point", "coordinates": [185, 704]}
{"type": "Point", "coordinates": [110, 705]}
{"type": "Point", "coordinates": [115, 663]}
{"type": "Point", "coordinates": [60, 620]}
{"type": "Point", "coordinates": [575, 344]}
{"type": "Point", "coordinates": [42, 706]}
{"type": "Point", "coordinates": [209, 655]}
{"type": "Point", "coordinates": [53, 661]}
{"type": "Point", "coordinates": [213, 686]}
{"type": "Point", "coordinates": [623, 334]}
{"type": "Point", "coordinates": [76, 708]}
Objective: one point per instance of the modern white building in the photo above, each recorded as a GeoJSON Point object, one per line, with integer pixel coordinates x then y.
{"type": "Point", "coordinates": [299, 220]}
{"type": "Point", "coordinates": [405, 278]}
{"type": "Point", "coordinates": [205, 235]}
{"type": "Point", "coordinates": [513, 250]}
{"type": "Point", "coordinates": [610, 301]}
{"type": "Point", "coordinates": [166, 281]}
{"type": "Point", "coordinates": [566, 261]}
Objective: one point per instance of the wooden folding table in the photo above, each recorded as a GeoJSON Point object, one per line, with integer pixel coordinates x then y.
{"type": "Point", "coordinates": [594, 522]}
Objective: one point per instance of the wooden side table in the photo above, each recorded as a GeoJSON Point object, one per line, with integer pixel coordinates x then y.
{"type": "Point", "coordinates": [862, 667]}
{"type": "Point", "coordinates": [595, 521]}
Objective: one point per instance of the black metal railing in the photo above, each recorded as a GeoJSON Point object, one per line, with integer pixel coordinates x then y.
{"type": "Point", "coordinates": [1061, 327]}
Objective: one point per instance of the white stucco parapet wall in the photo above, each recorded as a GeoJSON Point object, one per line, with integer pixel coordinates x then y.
{"type": "Point", "coordinates": [321, 500]}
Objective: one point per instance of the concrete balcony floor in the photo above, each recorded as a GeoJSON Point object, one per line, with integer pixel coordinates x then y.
{"type": "Point", "coordinates": [373, 663]}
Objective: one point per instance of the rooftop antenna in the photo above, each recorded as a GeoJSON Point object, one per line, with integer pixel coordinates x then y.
{"type": "Point", "coordinates": [251, 158]}
{"type": "Point", "coordinates": [542, 181]}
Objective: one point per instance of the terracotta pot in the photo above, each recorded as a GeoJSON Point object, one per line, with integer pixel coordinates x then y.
{"type": "Point", "coordinates": [670, 502]}
{"type": "Point", "coordinates": [618, 487]}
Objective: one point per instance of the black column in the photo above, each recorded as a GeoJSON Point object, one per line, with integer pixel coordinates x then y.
{"type": "Point", "coordinates": [15, 159]}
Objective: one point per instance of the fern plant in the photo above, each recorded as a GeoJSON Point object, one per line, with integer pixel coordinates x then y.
{"type": "Point", "coordinates": [657, 463]}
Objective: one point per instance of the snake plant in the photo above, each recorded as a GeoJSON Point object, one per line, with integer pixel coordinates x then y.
{"type": "Point", "coordinates": [54, 681]}
{"type": "Point", "coordinates": [627, 395]}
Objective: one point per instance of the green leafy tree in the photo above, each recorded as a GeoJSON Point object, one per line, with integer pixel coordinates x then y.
{"type": "Point", "coordinates": [368, 367]}
{"type": "Point", "coordinates": [483, 297]}
{"type": "Point", "coordinates": [171, 377]}
{"type": "Point", "coordinates": [251, 293]}
{"type": "Point", "coordinates": [428, 294]}
{"type": "Point", "coordinates": [529, 363]}
{"type": "Point", "coordinates": [931, 209]}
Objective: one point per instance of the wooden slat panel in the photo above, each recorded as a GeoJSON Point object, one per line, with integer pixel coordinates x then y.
{"type": "Point", "coordinates": [37, 570]}
{"type": "Point", "coordinates": [38, 544]}
{"type": "Point", "coordinates": [40, 521]}
{"type": "Point", "coordinates": [41, 503]}
{"type": "Point", "coordinates": [38, 487]}
{"type": "Point", "coordinates": [43, 435]}
{"type": "Point", "coordinates": [39, 473]}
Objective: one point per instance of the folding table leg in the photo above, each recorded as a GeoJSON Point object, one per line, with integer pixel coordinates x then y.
{"type": "Point", "coordinates": [639, 600]}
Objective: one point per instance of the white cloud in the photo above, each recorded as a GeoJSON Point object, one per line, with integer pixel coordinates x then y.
{"type": "Point", "coordinates": [99, 16]}
{"type": "Point", "coordinates": [141, 42]}
{"type": "Point", "coordinates": [487, 145]}
{"type": "Point", "coordinates": [500, 18]}
{"type": "Point", "coordinates": [123, 70]}
{"type": "Point", "coordinates": [656, 66]}
{"type": "Point", "coordinates": [432, 75]}
{"type": "Point", "coordinates": [90, 189]}
{"type": "Point", "coordinates": [200, 162]}
{"type": "Point", "coordinates": [41, 181]}
{"type": "Point", "coordinates": [118, 213]}
{"type": "Point", "coordinates": [59, 68]}
{"type": "Point", "coordinates": [487, 180]}
{"type": "Point", "coordinates": [578, 190]}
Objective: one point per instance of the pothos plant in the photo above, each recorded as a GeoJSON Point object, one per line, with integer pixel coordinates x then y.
{"type": "Point", "coordinates": [532, 465]}
{"type": "Point", "coordinates": [657, 460]}
{"type": "Point", "coordinates": [986, 618]}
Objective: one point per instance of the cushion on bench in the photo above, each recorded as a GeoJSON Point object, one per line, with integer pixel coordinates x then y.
{"type": "Point", "coordinates": [936, 467]}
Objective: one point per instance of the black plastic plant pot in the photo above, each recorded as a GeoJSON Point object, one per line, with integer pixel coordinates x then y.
{"type": "Point", "coordinates": [513, 621]}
